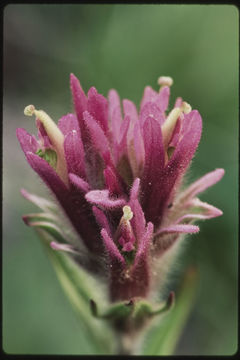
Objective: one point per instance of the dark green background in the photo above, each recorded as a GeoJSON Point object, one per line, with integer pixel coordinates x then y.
{"type": "Point", "coordinates": [124, 47]}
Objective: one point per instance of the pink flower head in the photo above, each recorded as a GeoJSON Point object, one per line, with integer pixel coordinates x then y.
{"type": "Point", "coordinates": [116, 173]}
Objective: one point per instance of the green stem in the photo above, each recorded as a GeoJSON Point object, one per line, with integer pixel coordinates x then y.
{"type": "Point", "coordinates": [125, 345]}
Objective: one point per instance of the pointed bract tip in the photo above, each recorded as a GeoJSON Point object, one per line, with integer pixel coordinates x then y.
{"type": "Point", "coordinates": [19, 132]}
{"type": "Point", "coordinates": [73, 77]}
{"type": "Point", "coordinates": [25, 219]}
{"type": "Point", "coordinates": [220, 172]}
{"type": "Point", "coordinates": [218, 212]}
{"type": "Point", "coordinates": [93, 307]}
{"type": "Point", "coordinates": [135, 189]}
{"type": "Point", "coordinates": [171, 299]}
{"type": "Point", "coordinates": [24, 192]}
{"type": "Point", "coordinates": [54, 245]}
{"type": "Point", "coordinates": [130, 303]}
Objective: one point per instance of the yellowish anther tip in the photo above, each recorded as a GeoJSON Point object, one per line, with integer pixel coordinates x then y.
{"type": "Point", "coordinates": [186, 108]}
{"type": "Point", "coordinates": [165, 81]}
{"type": "Point", "coordinates": [29, 110]}
{"type": "Point", "coordinates": [127, 212]}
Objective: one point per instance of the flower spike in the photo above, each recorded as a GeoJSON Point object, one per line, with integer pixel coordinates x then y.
{"type": "Point", "coordinates": [116, 174]}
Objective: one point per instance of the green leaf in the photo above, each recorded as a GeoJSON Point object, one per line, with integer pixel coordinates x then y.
{"type": "Point", "coordinates": [49, 155]}
{"type": "Point", "coordinates": [162, 338]}
{"type": "Point", "coordinates": [43, 221]}
{"type": "Point", "coordinates": [80, 287]}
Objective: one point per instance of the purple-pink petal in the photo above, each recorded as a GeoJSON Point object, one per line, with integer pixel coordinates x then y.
{"type": "Point", "coordinates": [162, 99]}
{"type": "Point", "coordinates": [28, 142]}
{"type": "Point", "coordinates": [48, 175]}
{"type": "Point", "coordinates": [138, 281]}
{"type": "Point", "coordinates": [111, 248]}
{"type": "Point", "coordinates": [178, 102]}
{"type": "Point", "coordinates": [127, 286]}
{"type": "Point", "coordinates": [203, 183]}
{"type": "Point", "coordinates": [151, 110]}
{"type": "Point", "coordinates": [148, 95]}
{"type": "Point", "coordinates": [99, 139]}
{"type": "Point", "coordinates": [62, 247]}
{"type": "Point", "coordinates": [103, 199]}
{"type": "Point", "coordinates": [204, 210]}
{"type": "Point", "coordinates": [112, 181]}
{"type": "Point", "coordinates": [114, 112]}
{"type": "Point", "coordinates": [138, 147]}
{"type": "Point", "coordinates": [97, 106]}
{"type": "Point", "coordinates": [101, 219]}
{"type": "Point", "coordinates": [72, 203]}
{"type": "Point", "coordinates": [179, 229]}
{"type": "Point", "coordinates": [79, 183]}
{"type": "Point", "coordinates": [130, 110]}
{"type": "Point", "coordinates": [143, 247]}
{"type": "Point", "coordinates": [182, 155]}
{"type": "Point", "coordinates": [152, 173]}
{"type": "Point", "coordinates": [190, 136]}
{"type": "Point", "coordinates": [135, 189]}
{"type": "Point", "coordinates": [120, 143]}
{"type": "Point", "coordinates": [74, 153]}
{"type": "Point", "coordinates": [68, 123]}
{"type": "Point", "coordinates": [42, 203]}
{"type": "Point", "coordinates": [80, 103]}
{"type": "Point", "coordinates": [138, 221]}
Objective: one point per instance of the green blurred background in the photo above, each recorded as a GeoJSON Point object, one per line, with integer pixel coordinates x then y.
{"type": "Point", "coordinates": [124, 47]}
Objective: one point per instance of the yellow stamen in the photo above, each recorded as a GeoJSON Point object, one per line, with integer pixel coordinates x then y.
{"type": "Point", "coordinates": [186, 108]}
{"type": "Point", "coordinates": [165, 81]}
{"type": "Point", "coordinates": [170, 122]}
{"type": "Point", "coordinates": [127, 213]}
{"type": "Point", "coordinates": [29, 110]}
{"type": "Point", "coordinates": [56, 137]}
{"type": "Point", "coordinates": [169, 125]}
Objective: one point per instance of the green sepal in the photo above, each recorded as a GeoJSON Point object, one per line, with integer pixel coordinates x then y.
{"type": "Point", "coordinates": [170, 151]}
{"type": "Point", "coordinates": [131, 315]}
{"type": "Point", "coordinates": [114, 312]}
{"type": "Point", "coordinates": [49, 155]}
{"type": "Point", "coordinates": [163, 336]}
{"type": "Point", "coordinates": [144, 310]}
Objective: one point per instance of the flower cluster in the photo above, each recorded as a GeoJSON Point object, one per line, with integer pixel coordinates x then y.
{"type": "Point", "coordinates": [116, 173]}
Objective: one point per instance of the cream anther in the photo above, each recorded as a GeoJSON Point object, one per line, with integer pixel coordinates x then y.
{"type": "Point", "coordinates": [127, 213]}
{"type": "Point", "coordinates": [165, 81]}
{"type": "Point", "coordinates": [186, 108]}
{"type": "Point", "coordinates": [29, 110]}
